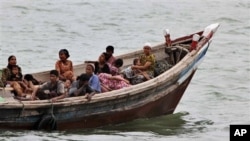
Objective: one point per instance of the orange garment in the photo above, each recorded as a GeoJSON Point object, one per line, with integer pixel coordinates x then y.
{"type": "Point", "coordinates": [65, 69]}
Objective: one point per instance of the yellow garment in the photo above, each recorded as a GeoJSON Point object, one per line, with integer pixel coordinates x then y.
{"type": "Point", "coordinates": [148, 58]}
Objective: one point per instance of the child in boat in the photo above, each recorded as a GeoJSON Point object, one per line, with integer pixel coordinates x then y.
{"type": "Point", "coordinates": [94, 81]}
{"type": "Point", "coordinates": [114, 80]}
{"type": "Point", "coordinates": [135, 75]}
{"type": "Point", "coordinates": [16, 81]}
{"type": "Point", "coordinates": [81, 87]}
{"type": "Point", "coordinates": [110, 58]}
{"type": "Point", "coordinates": [115, 68]}
{"type": "Point", "coordinates": [67, 85]}
{"type": "Point", "coordinates": [147, 60]}
{"type": "Point", "coordinates": [52, 89]}
{"type": "Point", "coordinates": [139, 72]}
{"type": "Point", "coordinates": [64, 66]}
{"type": "Point", "coordinates": [16, 75]}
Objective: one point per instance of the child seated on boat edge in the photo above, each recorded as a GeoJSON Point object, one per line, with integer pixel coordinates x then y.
{"type": "Point", "coordinates": [52, 89]}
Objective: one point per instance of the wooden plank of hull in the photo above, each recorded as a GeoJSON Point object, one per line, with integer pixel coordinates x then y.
{"type": "Point", "coordinates": [162, 106]}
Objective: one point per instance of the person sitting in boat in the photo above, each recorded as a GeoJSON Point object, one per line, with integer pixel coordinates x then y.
{"type": "Point", "coordinates": [115, 68]}
{"type": "Point", "coordinates": [114, 80]}
{"type": "Point", "coordinates": [64, 66]}
{"type": "Point", "coordinates": [30, 79]}
{"type": "Point", "coordinates": [94, 81]}
{"type": "Point", "coordinates": [81, 87]}
{"type": "Point", "coordinates": [12, 75]}
{"type": "Point", "coordinates": [109, 57]}
{"type": "Point", "coordinates": [101, 66]}
{"type": "Point", "coordinates": [147, 61]}
{"type": "Point", "coordinates": [135, 76]}
{"type": "Point", "coordinates": [16, 80]}
{"type": "Point", "coordinates": [52, 89]}
{"type": "Point", "coordinates": [27, 84]}
{"type": "Point", "coordinates": [7, 73]}
{"type": "Point", "coordinates": [16, 75]}
{"type": "Point", "coordinates": [67, 86]}
{"type": "Point", "coordinates": [168, 41]}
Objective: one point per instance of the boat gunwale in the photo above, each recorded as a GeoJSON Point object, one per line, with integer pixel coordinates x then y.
{"type": "Point", "coordinates": [129, 91]}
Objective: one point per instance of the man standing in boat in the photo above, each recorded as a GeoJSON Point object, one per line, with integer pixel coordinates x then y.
{"type": "Point", "coordinates": [53, 89]}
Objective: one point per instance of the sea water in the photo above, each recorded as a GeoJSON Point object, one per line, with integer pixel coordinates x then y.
{"type": "Point", "coordinates": [218, 95]}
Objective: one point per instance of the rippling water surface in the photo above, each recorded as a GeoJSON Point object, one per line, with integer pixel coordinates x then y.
{"type": "Point", "coordinates": [219, 94]}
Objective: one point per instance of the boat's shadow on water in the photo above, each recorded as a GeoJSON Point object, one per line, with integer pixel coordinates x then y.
{"type": "Point", "coordinates": [174, 124]}
{"type": "Point", "coordinates": [168, 125]}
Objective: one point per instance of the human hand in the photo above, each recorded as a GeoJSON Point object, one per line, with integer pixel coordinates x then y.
{"type": "Point", "coordinates": [133, 67]}
{"type": "Point", "coordinates": [33, 97]}
{"type": "Point", "coordinates": [53, 99]}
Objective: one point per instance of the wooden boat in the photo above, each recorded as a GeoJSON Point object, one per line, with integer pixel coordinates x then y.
{"type": "Point", "coordinates": [155, 97]}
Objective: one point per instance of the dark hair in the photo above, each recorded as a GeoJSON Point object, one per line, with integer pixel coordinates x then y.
{"type": "Point", "coordinates": [30, 77]}
{"type": "Point", "coordinates": [135, 61]}
{"type": "Point", "coordinates": [9, 65]}
{"type": "Point", "coordinates": [118, 62]}
{"type": "Point", "coordinates": [65, 51]}
{"type": "Point", "coordinates": [83, 77]}
{"type": "Point", "coordinates": [110, 48]}
{"type": "Point", "coordinates": [15, 66]}
{"type": "Point", "coordinates": [10, 57]}
{"type": "Point", "coordinates": [55, 72]}
{"type": "Point", "coordinates": [107, 56]}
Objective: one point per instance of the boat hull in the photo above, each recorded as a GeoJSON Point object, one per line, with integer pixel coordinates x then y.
{"type": "Point", "coordinates": [164, 105]}
{"type": "Point", "coordinates": [155, 97]}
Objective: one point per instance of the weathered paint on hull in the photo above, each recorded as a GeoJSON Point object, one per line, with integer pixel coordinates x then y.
{"type": "Point", "coordinates": [163, 106]}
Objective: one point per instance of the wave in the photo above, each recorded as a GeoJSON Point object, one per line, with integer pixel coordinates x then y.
{"type": "Point", "coordinates": [227, 19]}
{"type": "Point", "coordinates": [21, 7]}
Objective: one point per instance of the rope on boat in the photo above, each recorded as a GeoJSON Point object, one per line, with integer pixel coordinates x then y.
{"type": "Point", "coordinates": [179, 56]}
{"type": "Point", "coordinates": [22, 107]}
{"type": "Point", "coordinates": [47, 121]}
{"type": "Point", "coordinates": [53, 121]}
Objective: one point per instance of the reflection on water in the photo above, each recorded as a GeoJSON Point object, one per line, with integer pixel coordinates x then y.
{"type": "Point", "coordinates": [164, 125]}
{"type": "Point", "coordinates": [167, 125]}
